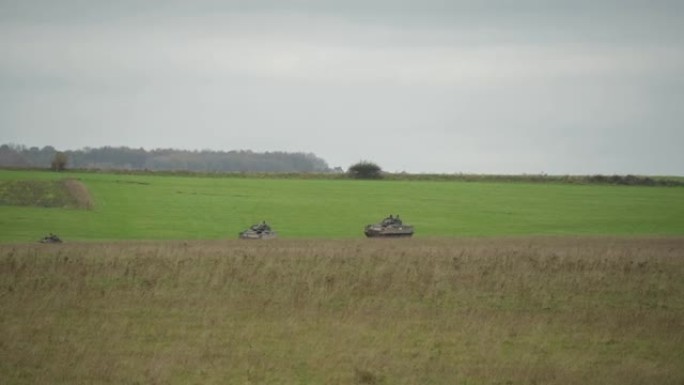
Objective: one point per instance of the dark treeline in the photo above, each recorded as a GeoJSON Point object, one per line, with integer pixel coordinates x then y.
{"type": "Point", "coordinates": [124, 158]}
{"type": "Point", "coordinates": [620, 180]}
{"type": "Point", "coordinates": [273, 164]}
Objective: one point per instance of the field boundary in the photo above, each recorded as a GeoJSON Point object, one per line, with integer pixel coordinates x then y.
{"type": "Point", "coordinates": [597, 179]}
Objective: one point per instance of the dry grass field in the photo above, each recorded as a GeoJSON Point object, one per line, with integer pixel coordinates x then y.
{"type": "Point", "coordinates": [414, 311]}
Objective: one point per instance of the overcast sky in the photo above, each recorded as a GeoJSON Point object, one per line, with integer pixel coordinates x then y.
{"type": "Point", "coordinates": [520, 86]}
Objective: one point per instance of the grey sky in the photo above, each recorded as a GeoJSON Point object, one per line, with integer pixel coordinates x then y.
{"type": "Point", "coordinates": [576, 87]}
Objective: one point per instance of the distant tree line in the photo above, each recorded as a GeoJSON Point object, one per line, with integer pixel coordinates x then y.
{"type": "Point", "coordinates": [622, 180]}
{"type": "Point", "coordinates": [125, 158]}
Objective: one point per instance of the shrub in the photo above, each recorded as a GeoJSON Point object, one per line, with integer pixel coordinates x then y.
{"type": "Point", "coordinates": [365, 170]}
{"type": "Point", "coordinates": [59, 162]}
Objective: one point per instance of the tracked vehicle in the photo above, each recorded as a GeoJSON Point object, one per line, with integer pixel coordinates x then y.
{"type": "Point", "coordinates": [51, 238]}
{"type": "Point", "coordinates": [389, 227]}
{"type": "Point", "coordinates": [258, 231]}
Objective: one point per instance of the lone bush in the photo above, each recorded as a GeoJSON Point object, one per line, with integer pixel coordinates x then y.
{"type": "Point", "coordinates": [365, 170]}
{"type": "Point", "coordinates": [59, 162]}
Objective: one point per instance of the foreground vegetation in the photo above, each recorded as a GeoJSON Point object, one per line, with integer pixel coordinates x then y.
{"type": "Point", "coordinates": [416, 311]}
{"type": "Point", "coordinates": [123, 206]}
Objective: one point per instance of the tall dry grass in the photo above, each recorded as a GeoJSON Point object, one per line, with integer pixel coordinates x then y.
{"type": "Point", "coordinates": [435, 311]}
{"type": "Point", "coordinates": [79, 194]}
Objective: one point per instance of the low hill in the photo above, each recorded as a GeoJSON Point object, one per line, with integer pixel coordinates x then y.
{"type": "Point", "coordinates": [65, 193]}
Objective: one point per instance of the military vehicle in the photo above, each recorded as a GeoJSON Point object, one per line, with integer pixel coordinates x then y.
{"type": "Point", "coordinates": [51, 238]}
{"type": "Point", "coordinates": [389, 227]}
{"type": "Point", "coordinates": [258, 231]}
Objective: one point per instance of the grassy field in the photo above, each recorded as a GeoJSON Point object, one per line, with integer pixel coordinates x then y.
{"type": "Point", "coordinates": [162, 293]}
{"type": "Point", "coordinates": [415, 311]}
{"type": "Point", "coordinates": [184, 207]}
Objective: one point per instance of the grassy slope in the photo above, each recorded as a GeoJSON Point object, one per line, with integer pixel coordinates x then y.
{"type": "Point", "coordinates": [414, 311]}
{"type": "Point", "coordinates": [175, 207]}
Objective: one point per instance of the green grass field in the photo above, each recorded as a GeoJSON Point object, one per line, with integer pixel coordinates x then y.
{"type": "Point", "coordinates": [186, 207]}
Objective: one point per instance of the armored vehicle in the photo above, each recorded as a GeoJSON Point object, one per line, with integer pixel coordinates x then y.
{"type": "Point", "coordinates": [389, 227]}
{"type": "Point", "coordinates": [51, 238]}
{"type": "Point", "coordinates": [258, 231]}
